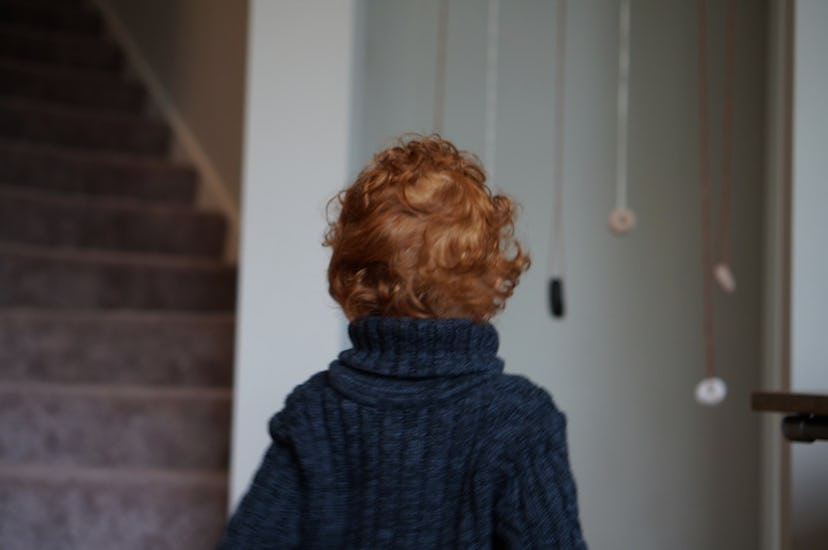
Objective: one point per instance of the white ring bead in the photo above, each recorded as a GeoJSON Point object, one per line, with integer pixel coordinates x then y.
{"type": "Point", "coordinates": [711, 391]}
{"type": "Point", "coordinates": [622, 220]}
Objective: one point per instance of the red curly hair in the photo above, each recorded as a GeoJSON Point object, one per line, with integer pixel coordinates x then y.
{"type": "Point", "coordinates": [419, 234]}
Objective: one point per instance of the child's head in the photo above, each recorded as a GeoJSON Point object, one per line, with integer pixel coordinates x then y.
{"type": "Point", "coordinates": [420, 235]}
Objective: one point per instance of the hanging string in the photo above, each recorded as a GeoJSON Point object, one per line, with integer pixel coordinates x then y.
{"type": "Point", "coordinates": [492, 43]}
{"type": "Point", "coordinates": [623, 103]}
{"type": "Point", "coordinates": [704, 181]}
{"type": "Point", "coordinates": [787, 186]}
{"type": "Point", "coordinates": [711, 390]}
{"type": "Point", "coordinates": [622, 219]}
{"type": "Point", "coordinates": [440, 76]}
{"type": "Point", "coordinates": [722, 270]}
{"type": "Point", "coordinates": [556, 256]}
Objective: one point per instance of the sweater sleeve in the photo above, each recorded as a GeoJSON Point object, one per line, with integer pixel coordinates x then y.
{"type": "Point", "coordinates": [538, 506]}
{"type": "Point", "coordinates": [268, 516]}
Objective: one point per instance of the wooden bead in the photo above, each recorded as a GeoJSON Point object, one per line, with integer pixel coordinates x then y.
{"type": "Point", "coordinates": [622, 221]}
{"type": "Point", "coordinates": [724, 277]}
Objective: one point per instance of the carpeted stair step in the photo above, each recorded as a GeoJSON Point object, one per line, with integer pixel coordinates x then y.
{"type": "Point", "coordinates": [68, 85]}
{"type": "Point", "coordinates": [74, 279]}
{"type": "Point", "coordinates": [105, 425]}
{"type": "Point", "coordinates": [47, 508]}
{"type": "Point", "coordinates": [95, 173]}
{"type": "Point", "coordinates": [42, 218]}
{"type": "Point", "coordinates": [116, 314]}
{"type": "Point", "coordinates": [59, 48]}
{"type": "Point", "coordinates": [120, 347]}
{"type": "Point", "coordinates": [50, 15]}
{"type": "Point", "coordinates": [41, 122]}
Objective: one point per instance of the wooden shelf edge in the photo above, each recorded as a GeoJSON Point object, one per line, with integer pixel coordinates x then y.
{"type": "Point", "coordinates": [785, 402]}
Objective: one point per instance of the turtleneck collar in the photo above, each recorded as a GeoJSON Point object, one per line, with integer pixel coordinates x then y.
{"type": "Point", "coordinates": [408, 360]}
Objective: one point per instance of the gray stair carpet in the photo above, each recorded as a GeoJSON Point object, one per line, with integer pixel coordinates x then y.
{"type": "Point", "coordinates": [116, 308]}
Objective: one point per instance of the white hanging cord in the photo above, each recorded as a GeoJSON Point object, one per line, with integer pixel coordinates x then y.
{"type": "Point", "coordinates": [622, 219]}
{"type": "Point", "coordinates": [492, 43]}
{"type": "Point", "coordinates": [440, 76]}
{"type": "Point", "coordinates": [557, 262]}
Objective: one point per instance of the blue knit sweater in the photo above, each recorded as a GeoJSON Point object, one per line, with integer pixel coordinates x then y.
{"type": "Point", "coordinates": [414, 438]}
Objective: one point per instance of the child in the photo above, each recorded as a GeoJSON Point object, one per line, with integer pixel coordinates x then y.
{"type": "Point", "coordinates": [414, 438]}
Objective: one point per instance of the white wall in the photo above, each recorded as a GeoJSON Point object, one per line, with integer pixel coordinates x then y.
{"type": "Point", "coordinates": [300, 57]}
{"type": "Point", "coordinates": [809, 304]}
{"type": "Point", "coordinates": [654, 470]}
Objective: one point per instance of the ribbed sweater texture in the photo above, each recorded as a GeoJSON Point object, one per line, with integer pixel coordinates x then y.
{"type": "Point", "coordinates": [413, 439]}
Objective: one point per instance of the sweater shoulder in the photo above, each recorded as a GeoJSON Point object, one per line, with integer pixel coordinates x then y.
{"type": "Point", "coordinates": [518, 394]}
{"type": "Point", "coordinates": [522, 412]}
{"type": "Point", "coordinates": [303, 397]}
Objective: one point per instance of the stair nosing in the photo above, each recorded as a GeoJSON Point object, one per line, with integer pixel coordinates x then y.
{"type": "Point", "coordinates": [26, 142]}
{"type": "Point", "coordinates": [80, 24]}
{"type": "Point", "coordinates": [98, 202]}
{"type": "Point", "coordinates": [95, 155]}
{"type": "Point", "coordinates": [97, 256]}
{"type": "Point", "coordinates": [65, 69]}
{"type": "Point", "coordinates": [69, 109]}
{"type": "Point", "coordinates": [133, 392]}
{"type": "Point", "coordinates": [71, 71]}
{"type": "Point", "coordinates": [107, 475]}
{"type": "Point", "coordinates": [150, 316]}
{"type": "Point", "coordinates": [55, 34]}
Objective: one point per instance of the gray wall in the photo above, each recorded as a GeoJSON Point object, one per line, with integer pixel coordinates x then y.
{"type": "Point", "coordinates": [809, 302]}
{"type": "Point", "coordinates": [197, 49]}
{"type": "Point", "coordinates": [654, 470]}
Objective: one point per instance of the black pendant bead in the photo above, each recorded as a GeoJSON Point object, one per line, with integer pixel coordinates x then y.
{"type": "Point", "coordinates": [556, 297]}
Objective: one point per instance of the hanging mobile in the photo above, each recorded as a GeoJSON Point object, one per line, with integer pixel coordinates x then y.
{"type": "Point", "coordinates": [490, 131]}
{"type": "Point", "coordinates": [721, 271]}
{"type": "Point", "coordinates": [622, 218]}
{"type": "Point", "coordinates": [556, 253]}
{"type": "Point", "coordinates": [712, 390]}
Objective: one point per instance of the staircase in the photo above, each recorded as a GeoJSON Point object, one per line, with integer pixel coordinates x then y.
{"type": "Point", "coordinates": [116, 311]}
